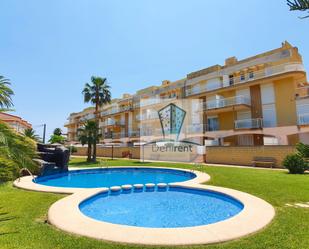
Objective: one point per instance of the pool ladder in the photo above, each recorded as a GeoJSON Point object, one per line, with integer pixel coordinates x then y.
{"type": "Point", "coordinates": [27, 170]}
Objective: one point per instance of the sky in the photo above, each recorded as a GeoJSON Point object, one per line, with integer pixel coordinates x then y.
{"type": "Point", "coordinates": [50, 49]}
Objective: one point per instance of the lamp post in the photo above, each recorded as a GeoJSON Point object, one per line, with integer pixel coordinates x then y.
{"type": "Point", "coordinates": [44, 133]}
{"type": "Point", "coordinates": [112, 146]}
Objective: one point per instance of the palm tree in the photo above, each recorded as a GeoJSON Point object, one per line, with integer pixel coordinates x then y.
{"type": "Point", "coordinates": [16, 152]}
{"type": "Point", "coordinates": [31, 134]}
{"type": "Point", "coordinates": [98, 93]}
{"type": "Point", "coordinates": [88, 134]}
{"type": "Point", "coordinates": [5, 94]}
{"type": "Point", "coordinates": [301, 5]}
{"type": "Point", "coordinates": [57, 131]}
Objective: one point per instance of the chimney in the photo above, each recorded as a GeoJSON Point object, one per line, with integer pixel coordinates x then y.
{"type": "Point", "coordinates": [230, 61]}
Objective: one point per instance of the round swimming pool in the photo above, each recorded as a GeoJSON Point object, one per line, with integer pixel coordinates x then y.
{"type": "Point", "coordinates": [107, 177]}
{"type": "Point", "coordinates": [169, 207]}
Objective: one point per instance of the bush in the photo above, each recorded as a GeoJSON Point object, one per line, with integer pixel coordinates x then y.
{"type": "Point", "coordinates": [295, 164]}
{"type": "Point", "coordinates": [303, 149]}
{"type": "Point", "coordinates": [72, 149]}
{"type": "Point", "coordinates": [9, 170]}
{"type": "Point", "coordinates": [16, 152]}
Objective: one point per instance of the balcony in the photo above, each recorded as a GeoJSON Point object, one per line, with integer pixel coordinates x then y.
{"type": "Point", "coordinates": [114, 135]}
{"type": "Point", "coordinates": [255, 123]}
{"type": "Point", "coordinates": [303, 119]}
{"type": "Point", "coordinates": [154, 101]}
{"type": "Point", "coordinates": [227, 104]}
{"type": "Point", "coordinates": [302, 92]}
{"type": "Point", "coordinates": [116, 110]}
{"type": "Point", "coordinates": [245, 77]}
{"type": "Point", "coordinates": [134, 133]}
{"type": "Point", "coordinates": [112, 122]}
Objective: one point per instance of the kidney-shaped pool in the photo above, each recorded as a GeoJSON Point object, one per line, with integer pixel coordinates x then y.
{"type": "Point", "coordinates": [107, 177]}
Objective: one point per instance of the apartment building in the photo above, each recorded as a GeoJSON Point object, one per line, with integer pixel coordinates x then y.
{"type": "Point", "coordinates": [260, 100]}
{"type": "Point", "coordinates": [15, 122]}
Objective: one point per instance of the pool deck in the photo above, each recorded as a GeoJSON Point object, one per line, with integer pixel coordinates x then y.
{"type": "Point", "coordinates": [26, 182]}
{"type": "Point", "coordinates": [66, 215]}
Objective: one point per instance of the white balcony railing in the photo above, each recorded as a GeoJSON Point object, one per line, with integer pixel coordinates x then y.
{"type": "Point", "coordinates": [254, 123]}
{"type": "Point", "coordinates": [116, 110]}
{"type": "Point", "coordinates": [113, 122]}
{"type": "Point", "coordinates": [221, 103]}
{"type": "Point", "coordinates": [154, 101]}
{"type": "Point", "coordinates": [195, 128]}
{"type": "Point", "coordinates": [246, 77]}
{"type": "Point", "coordinates": [303, 119]}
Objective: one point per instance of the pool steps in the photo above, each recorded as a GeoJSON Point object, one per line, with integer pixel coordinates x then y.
{"type": "Point", "coordinates": [137, 187]}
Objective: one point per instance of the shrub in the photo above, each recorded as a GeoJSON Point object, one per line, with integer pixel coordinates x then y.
{"type": "Point", "coordinates": [16, 152]}
{"type": "Point", "coordinates": [9, 170]}
{"type": "Point", "coordinates": [56, 139]}
{"type": "Point", "coordinates": [303, 149]}
{"type": "Point", "coordinates": [295, 163]}
{"type": "Point", "coordinates": [72, 149]}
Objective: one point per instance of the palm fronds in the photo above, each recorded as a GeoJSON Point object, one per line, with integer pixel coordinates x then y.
{"type": "Point", "coordinates": [301, 5]}
{"type": "Point", "coordinates": [6, 93]}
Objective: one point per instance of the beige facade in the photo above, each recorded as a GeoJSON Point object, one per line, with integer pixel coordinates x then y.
{"type": "Point", "coordinates": [15, 122]}
{"type": "Point", "coordinates": [260, 100]}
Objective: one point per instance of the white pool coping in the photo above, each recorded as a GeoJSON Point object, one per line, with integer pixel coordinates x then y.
{"type": "Point", "coordinates": [66, 215]}
{"type": "Point", "coordinates": [27, 183]}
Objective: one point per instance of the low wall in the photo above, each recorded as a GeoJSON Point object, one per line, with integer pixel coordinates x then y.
{"type": "Point", "coordinates": [118, 152]}
{"type": "Point", "coordinates": [243, 155]}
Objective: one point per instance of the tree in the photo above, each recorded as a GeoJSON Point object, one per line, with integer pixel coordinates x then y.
{"type": "Point", "coordinates": [88, 134]}
{"type": "Point", "coordinates": [301, 5]}
{"type": "Point", "coordinates": [6, 94]}
{"type": "Point", "coordinates": [16, 152]}
{"type": "Point", "coordinates": [58, 132]}
{"type": "Point", "coordinates": [30, 133]}
{"type": "Point", "coordinates": [98, 93]}
{"type": "Point", "coordinates": [56, 139]}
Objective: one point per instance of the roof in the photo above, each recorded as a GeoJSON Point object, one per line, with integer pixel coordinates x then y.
{"type": "Point", "coordinates": [12, 118]}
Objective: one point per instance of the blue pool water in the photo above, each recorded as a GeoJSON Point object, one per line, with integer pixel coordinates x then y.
{"type": "Point", "coordinates": [94, 178]}
{"type": "Point", "coordinates": [174, 207]}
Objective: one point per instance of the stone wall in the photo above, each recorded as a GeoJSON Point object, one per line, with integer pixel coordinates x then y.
{"type": "Point", "coordinates": [243, 155]}
{"type": "Point", "coordinates": [118, 152]}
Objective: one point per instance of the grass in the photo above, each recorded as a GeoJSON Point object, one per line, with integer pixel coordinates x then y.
{"type": "Point", "coordinates": [23, 213]}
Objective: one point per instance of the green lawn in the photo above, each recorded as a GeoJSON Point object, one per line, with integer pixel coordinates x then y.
{"type": "Point", "coordinates": [23, 213]}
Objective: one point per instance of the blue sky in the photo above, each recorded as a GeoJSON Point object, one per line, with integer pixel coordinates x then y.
{"type": "Point", "coordinates": [49, 49]}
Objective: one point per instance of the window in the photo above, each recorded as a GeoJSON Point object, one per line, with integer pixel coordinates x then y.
{"type": "Point", "coordinates": [269, 115]}
{"type": "Point", "coordinates": [212, 124]}
{"type": "Point", "coordinates": [251, 75]}
{"type": "Point", "coordinates": [242, 77]}
{"type": "Point", "coordinates": [267, 94]}
{"type": "Point", "coordinates": [231, 79]}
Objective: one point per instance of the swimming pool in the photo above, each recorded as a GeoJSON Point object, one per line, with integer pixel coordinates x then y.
{"type": "Point", "coordinates": [167, 207]}
{"type": "Point", "coordinates": [107, 177]}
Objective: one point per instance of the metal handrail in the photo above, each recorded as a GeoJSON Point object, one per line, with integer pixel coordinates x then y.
{"type": "Point", "coordinates": [29, 172]}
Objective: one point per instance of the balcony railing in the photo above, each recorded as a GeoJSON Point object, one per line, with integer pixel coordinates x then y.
{"type": "Point", "coordinates": [134, 133]}
{"type": "Point", "coordinates": [254, 123]}
{"type": "Point", "coordinates": [116, 110]}
{"type": "Point", "coordinates": [303, 119]}
{"type": "Point", "coordinates": [221, 103]}
{"type": "Point", "coordinates": [114, 135]}
{"type": "Point", "coordinates": [154, 101]}
{"type": "Point", "coordinates": [251, 75]}
{"type": "Point", "coordinates": [113, 122]}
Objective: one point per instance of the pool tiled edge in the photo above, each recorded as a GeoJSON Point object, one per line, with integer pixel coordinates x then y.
{"type": "Point", "coordinates": [66, 215]}
{"type": "Point", "coordinates": [27, 183]}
